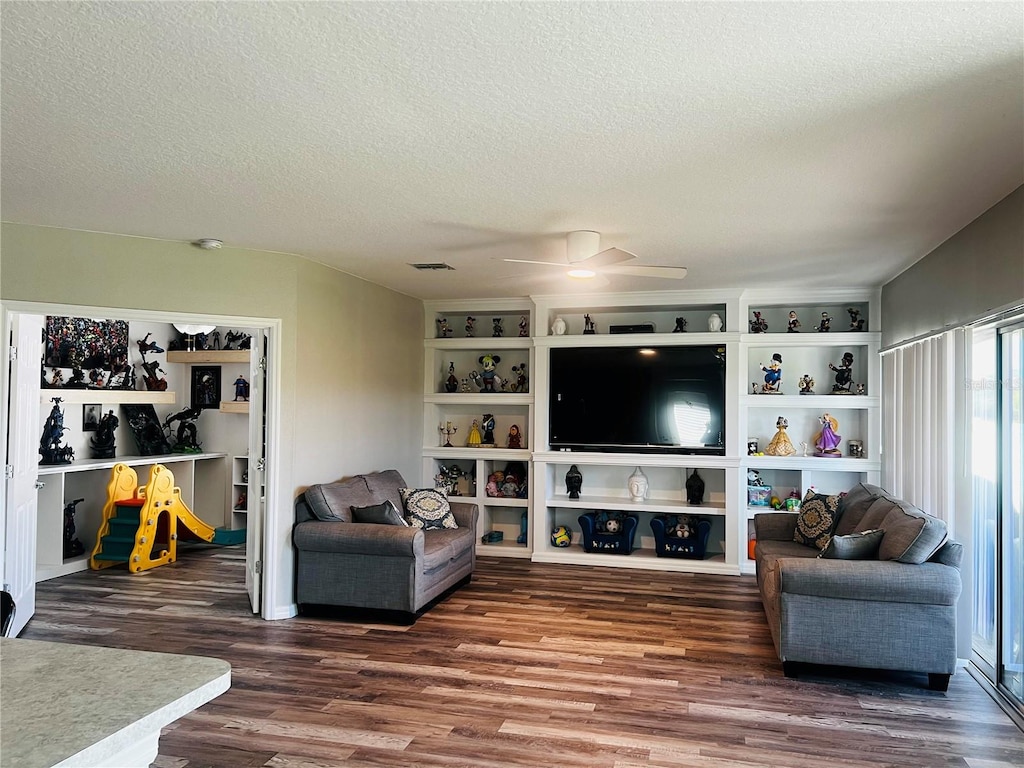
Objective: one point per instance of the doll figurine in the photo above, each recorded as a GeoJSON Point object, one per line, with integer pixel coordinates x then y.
{"type": "Point", "coordinates": [773, 376]}
{"type": "Point", "coordinates": [474, 440]}
{"type": "Point", "coordinates": [451, 384]}
{"type": "Point", "coordinates": [498, 331]}
{"type": "Point", "coordinates": [826, 442]}
{"type": "Point", "coordinates": [470, 323]}
{"type": "Point", "coordinates": [825, 325]}
{"type": "Point", "coordinates": [794, 324]}
{"type": "Point", "coordinates": [856, 321]}
{"type": "Point", "coordinates": [758, 324]}
{"type": "Point", "coordinates": [844, 375]}
{"type": "Point", "coordinates": [806, 385]}
{"type": "Point", "coordinates": [487, 425]}
{"type": "Point", "coordinates": [515, 440]}
{"type": "Point", "coordinates": [780, 444]}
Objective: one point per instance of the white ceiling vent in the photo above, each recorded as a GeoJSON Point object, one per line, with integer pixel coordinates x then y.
{"type": "Point", "coordinates": [439, 265]}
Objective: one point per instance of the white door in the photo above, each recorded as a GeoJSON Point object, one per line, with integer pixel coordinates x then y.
{"type": "Point", "coordinates": [23, 433]}
{"type": "Point", "coordinates": [257, 469]}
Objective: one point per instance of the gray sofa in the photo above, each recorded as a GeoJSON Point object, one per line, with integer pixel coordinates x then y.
{"type": "Point", "coordinates": [895, 611]}
{"type": "Point", "coordinates": [370, 565]}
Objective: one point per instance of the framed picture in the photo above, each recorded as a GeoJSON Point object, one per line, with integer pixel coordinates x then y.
{"type": "Point", "coordinates": [206, 386]}
{"type": "Point", "coordinates": [91, 415]}
{"type": "Point", "coordinates": [145, 427]}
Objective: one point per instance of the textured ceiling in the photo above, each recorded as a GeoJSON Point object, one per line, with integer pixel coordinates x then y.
{"type": "Point", "coordinates": [770, 144]}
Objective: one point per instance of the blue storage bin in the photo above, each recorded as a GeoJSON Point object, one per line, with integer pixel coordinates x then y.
{"type": "Point", "coordinates": [594, 540]}
{"type": "Point", "coordinates": [693, 547]}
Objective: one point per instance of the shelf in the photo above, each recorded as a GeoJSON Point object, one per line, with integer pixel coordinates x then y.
{"type": "Point", "coordinates": [229, 406]}
{"type": "Point", "coordinates": [623, 503]}
{"type": "Point", "coordinates": [210, 356]}
{"type": "Point", "coordinates": [504, 548]}
{"type": "Point", "coordinates": [84, 465]}
{"type": "Point", "coordinates": [481, 342]}
{"type": "Point", "coordinates": [822, 401]}
{"type": "Point", "coordinates": [487, 454]}
{"type": "Point", "coordinates": [636, 459]}
{"type": "Point", "coordinates": [844, 464]}
{"type": "Point", "coordinates": [105, 396]}
{"type": "Point", "coordinates": [640, 558]}
{"type": "Point", "coordinates": [635, 339]}
{"type": "Point", "coordinates": [479, 398]}
{"type": "Point", "coordinates": [831, 339]}
{"type": "Point", "coordinates": [500, 501]}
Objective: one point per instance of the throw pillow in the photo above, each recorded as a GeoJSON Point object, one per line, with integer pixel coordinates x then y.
{"type": "Point", "coordinates": [817, 519]}
{"type": "Point", "coordinates": [854, 546]}
{"type": "Point", "coordinates": [381, 514]}
{"type": "Point", "coordinates": [427, 508]}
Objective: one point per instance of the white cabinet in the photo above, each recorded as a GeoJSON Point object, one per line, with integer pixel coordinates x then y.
{"type": "Point", "coordinates": [450, 410]}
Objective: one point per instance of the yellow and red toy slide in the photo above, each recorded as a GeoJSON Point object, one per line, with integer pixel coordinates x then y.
{"type": "Point", "coordinates": [140, 525]}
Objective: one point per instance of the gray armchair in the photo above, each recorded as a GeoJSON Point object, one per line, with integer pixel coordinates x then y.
{"type": "Point", "coordinates": [369, 565]}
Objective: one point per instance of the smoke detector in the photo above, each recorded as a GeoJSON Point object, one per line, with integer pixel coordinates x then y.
{"type": "Point", "coordinates": [208, 243]}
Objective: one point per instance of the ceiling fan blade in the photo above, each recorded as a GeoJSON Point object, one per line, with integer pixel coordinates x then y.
{"type": "Point", "coordinates": [669, 273]}
{"type": "Point", "coordinates": [561, 264]}
{"type": "Point", "coordinates": [605, 258]}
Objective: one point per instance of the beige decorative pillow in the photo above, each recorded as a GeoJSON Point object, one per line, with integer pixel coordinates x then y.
{"type": "Point", "coordinates": [817, 520]}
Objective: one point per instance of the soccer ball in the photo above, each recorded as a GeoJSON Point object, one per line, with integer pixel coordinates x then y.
{"type": "Point", "coordinates": [561, 536]}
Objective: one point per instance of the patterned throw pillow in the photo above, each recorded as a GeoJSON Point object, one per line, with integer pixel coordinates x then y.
{"type": "Point", "coordinates": [427, 508]}
{"type": "Point", "coordinates": [381, 514]}
{"type": "Point", "coordinates": [816, 521]}
{"type": "Point", "coordinates": [854, 546]}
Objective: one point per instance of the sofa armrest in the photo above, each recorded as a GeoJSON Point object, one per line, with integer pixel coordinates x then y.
{"type": "Point", "coordinates": [465, 514]}
{"type": "Point", "coordinates": [878, 580]}
{"type": "Point", "coordinates": [358, 538]}
{"type": "Point", "coordinates": [775, 526]}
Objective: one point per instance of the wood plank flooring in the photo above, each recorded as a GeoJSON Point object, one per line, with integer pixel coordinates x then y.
{"type": "Point", "coordinates": [530, 665]}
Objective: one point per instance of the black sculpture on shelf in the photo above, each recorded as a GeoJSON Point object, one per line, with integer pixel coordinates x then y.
{"type": "Point", "coordinates": [50, 449]}
{"type": "Point", "coordinates": [844, 375]}
{"type": "Point", "coordinates": [856, 321]}
{"type": "Point", "coordinates": [145, 427]}
{"type": "Point", "coordinates": [487, 425]}
{"type": "Point", "coordinates": [694, 489]}
{"type": "Point", "coordinates": [573, 482]}
{"type": "Point", "coordinates": [187, 440]}
{"type": "Point", "coordinates": [680, 325]}
{"type": "Point", "coordinates": [72, 546]}
{"type": "Point", "coordinates": [102, 443]}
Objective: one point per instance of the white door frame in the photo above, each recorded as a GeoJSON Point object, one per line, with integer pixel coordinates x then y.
{"type": "Point", "coordinates": [272, 327]}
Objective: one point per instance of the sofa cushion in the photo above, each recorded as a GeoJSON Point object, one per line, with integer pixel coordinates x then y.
{"type": "Point", "coordinates": [874, 515]}
{"type": "Point", "coordinates": [911, 536]}
{"type": "Point", "coordinates": [817, 519]}
{"type": "Point", "coordinates": [854, 505]}
{"type": "Point", "coordinates": [334, 501]}
{"type": "Point", "coordinates": [854, 546]}
{"type": "Point", "coordinates": [384, 513]}
{"type": "Point", "coordinates": [427, 508]}
{"type": "Point", "coordinates": [385, 485]}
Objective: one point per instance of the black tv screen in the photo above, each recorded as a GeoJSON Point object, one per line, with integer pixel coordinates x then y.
{"type": "Point", "coordinates": [638, 400]}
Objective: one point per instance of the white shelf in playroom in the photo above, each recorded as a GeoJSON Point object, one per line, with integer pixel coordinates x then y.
{"type": "Point", "coordinates": [503, 501]}
{"type": "Point", "coordinates": [209, 356]}
{"type": "Point", "coordinates": [621, 503]}
{"type": "Point", "coordinates": [639, 558]}
{"type": "Point", "coordinates": [823, 402]}
{"type": "Point", "coordinates": [487, 454]}
{"type": "Point", "coordinates": [480, 342]}
{"type": "Point", "coordinates": [105, 396]}
{"type": "Point", "coordinates": [479, 398]}
{"type": "Point", "coordinates": [844, 464]}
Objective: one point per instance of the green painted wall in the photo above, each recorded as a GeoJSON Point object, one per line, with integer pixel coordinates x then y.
{"type": "Point", "coordinates": [351, 351]}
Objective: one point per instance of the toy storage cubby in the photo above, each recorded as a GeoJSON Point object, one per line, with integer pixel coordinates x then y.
{"type": "Point", "coordinates": [511, 406]}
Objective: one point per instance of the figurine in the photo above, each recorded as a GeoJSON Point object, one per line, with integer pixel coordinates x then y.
{"type": "Point", "coordinates": [241, 388]}
{"type": "Point", "coordinates": [515, 440]}
{"type": "Point", "coordinates": [451, 384]}
{"type": "Point", "coordinates": [498, 331]}
{"type": "Point", "coordinates": [447, 430]}
{"type": "Point", "coordinates": [844, 375]}
{"type": "Point", "coordinates": [50, 449]}
{"type": "Point", "coordinates": [215, 337]}
{"type": "Point", "coordinates": [487, 425]}
{"type": "Point", "coordinates": [758, 324]}
{"type": "Point", "coordinates": [803, 447]}
{"type": "Point", "coordinates": [826, 322]}
{"type": "Point", "coordinates": [793, 324]}
{"type": "Point", "coordinates": [573, 482]}
{"type": "Point", "coordinates": [96, 376]}
{"type": "Point", "coordinates": [826, 442]}
{"type": "Point", "coordinates": [856, 321]}
{"type": "Point", "coordinates": [524, 326]}
{"type": "Point", "coordinates": [154, 383]}
{"type": "Point", "coordinates": [773, 376]}
{"type": "Point", "coordinates": [780, 444]}
{"type": "Point", "coordinates": [488, 378]}
{"type": "Point", "coordinates": [102, 443]}
{"type": "Point", "coordinates": [695, 489]}
{"type": "Point", "coordinates": [77, 379]}
{"type": "Point", "coordinates": [470, 329]}
{"type": "Point", "coordinates": [241, 340]}
{"type": "Point", "coordinates": [494, 481]}
{"type": "Point", "coordinates": [861, 389]}
{"type": "Point", "coordinates": [72, 546]}
{"type": "Point", "coordinates": [521, 383]}
{"type": "Point", "coordinates": [638, 485]}
{"type": "Point", "coordinates": [715, 322]}
{"type": "Point", "coordinates": [680, 325]}
{"type": "Point", "coordinates": [145, 345]}
{"type": "Point", "coordinates": [243, 499]}
{"type": "Point", "coordinates": [465, 385]}
{"type": "Point", "coordinates": [806, 384]}
{"type": "Point", "coordinates": [474, 439]}
{"type": "Point", "coordinates": [187, 440]}
{"type": "Point", "coordinates": [443, 329]}
{"type": "Point", "coordinates": [558, 327]}
{"type": "Point", "coordinates": [588, 325]}
{"type": "Point", "coordinates": [57, 378]}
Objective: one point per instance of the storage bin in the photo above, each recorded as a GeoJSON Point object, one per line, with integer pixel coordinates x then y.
{"type": "Point", "coordinates": [759, 495]}
{"type": "Point", "coordinates": [694, 547]}
{"type": "Point", "coordinates": [594, 540]}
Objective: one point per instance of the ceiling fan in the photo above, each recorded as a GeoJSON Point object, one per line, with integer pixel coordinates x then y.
{"type": "Point", "coordinates": [585, 259]}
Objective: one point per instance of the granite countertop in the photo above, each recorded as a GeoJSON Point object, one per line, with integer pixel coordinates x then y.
{"type": "Point", "coordinates": [60, 700]}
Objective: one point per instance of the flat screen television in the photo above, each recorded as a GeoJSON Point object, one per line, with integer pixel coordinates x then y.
{"type": "Point", "coordinates": [638, 400]}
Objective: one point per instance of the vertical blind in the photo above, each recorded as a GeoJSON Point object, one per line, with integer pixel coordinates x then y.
{"type": "Point", "coordinates": [918, 412]}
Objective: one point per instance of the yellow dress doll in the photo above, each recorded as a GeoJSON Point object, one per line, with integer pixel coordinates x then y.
{"type": "Point", "coordinates": [475, 438]}
{"type": "Point", "coordinates": [780, 444]}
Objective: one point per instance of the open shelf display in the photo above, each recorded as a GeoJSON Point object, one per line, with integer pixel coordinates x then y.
{"type": "Point", "coordinates": [201, 356]}
{"type": "Point", "coordinates": [105, 396]}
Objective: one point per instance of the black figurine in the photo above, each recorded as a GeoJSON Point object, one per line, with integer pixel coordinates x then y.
{"type": "Point", "coordinates": [844, 375]}
{"type": "Point", "coordinates": [451, 384]}
{"type": "Point", "coordinates": [826, 323]}
{"type": "Point", "coordinates": [695, 489]}
{"type": "Point", "coordinates": [499, 331]}
{"type": "Point", "coordinates": [573, 482]}
{"type": "Point", "coordinates": [187, 439]}
{"type": "Point", "coordinates": [680, 325]}
{"type": "Point", "coordinates": [856, 321]}
{"type": "Point", "coordinates": [102, 443]}
{"type": "Point", "coordinates": [487, 425]}
{"type": "Point", "coordinates": [50, 449]}
{"type": "Point", "coordinates": [758, 324]}
{"type": "Point", "coordinates": [588, 325]}
{"type": "Point", "coordinates": [72, 546]}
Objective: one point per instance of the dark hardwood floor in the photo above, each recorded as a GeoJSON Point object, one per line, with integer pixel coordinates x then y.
{"type": "Point", "coordinates": [530, 665]}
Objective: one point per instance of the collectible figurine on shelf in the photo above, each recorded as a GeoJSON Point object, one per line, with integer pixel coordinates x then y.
{"type": "Point", "coordinates": [57, 378]}
{"type": "Point", "coordinates": [489, 378]}
{"type": "Point", "coordinates": [680, 325]}
{"type": "Point", "coordinates": [826, 322]}
{"type": "Point", "coordinates": [101, 445]}
{"type": "Point", "coordinates": [856, 321]}
{"type": "Point", "coordinates": [714, 322]}
{"type": "Point", "coordinates": [473, 440]}
{"type": "Point", "coordinates": [72, 546]}
{"type": "Point", "coordinates": [470, 327]}
{"type": "Point", "coordinates": [573, 482]}
{"type": "Point", "coordinates": [447, 429]}
{"type": "Point", "coordinates": [773, 376]}
{"type": "Point", "coordinates": [498, 331]}
{"type": "Point", "coordinates": [588, 325]}
{"type": "Point", "coordinates": [187, 439]}
{"type": "Point", "coordinates": [521, 384]}
{"type": "Point", "coordinates": [524, 326]}
{"type": "Point", "coordinates": [464, 385]}
{"type": "Point", "coordinates": [443, 329]}
{"type": "Point", "coordinates": [844, 375]}
{"type": "Point", "coordinates": [758, 324]}
{"type": "Point", "coordinates": [241, 388]}
{"type": "Point", "coordinates": [558, 327]}
{"type": "Point", "coordinates": [77, 380]}
{"type": "Point", "coordinates": [98, 378]}
{"type": "Point", "coordinates": [145, 345]}
{"type": "Point", "coordinates": [50, 449]}
{"type": "Point", "coordinates": [695, 489]}
{"type": "Point", "coordinates": [515, 440]}
{"type": "Point", "coordinates": [794, 324]}
{"type": "Point", "coordinates": [487, 425]}
{"type": "Point", "coordinates": [780, 444]}
{"type": "Point", "coordinates": [451, 384]}
{"type": "Point", "coordinates": [806, 384]}
{"type": "Point", "coordinates": [826, 442]}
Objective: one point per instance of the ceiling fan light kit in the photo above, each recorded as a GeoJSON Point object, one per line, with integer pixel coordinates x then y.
{"type": "Point", "coordinates": [585, 260]}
